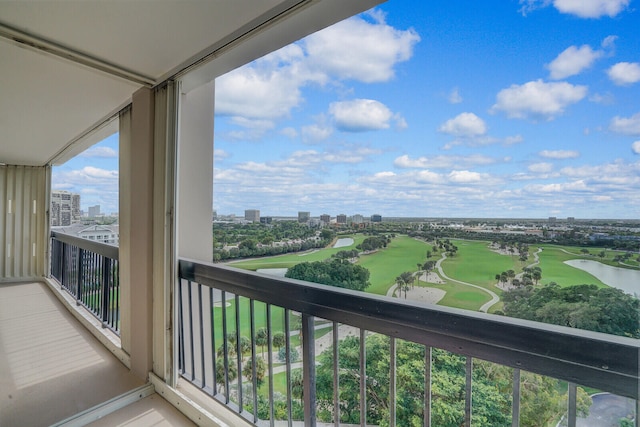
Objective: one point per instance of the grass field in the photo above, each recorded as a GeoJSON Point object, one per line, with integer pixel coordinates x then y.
{"type": "Point", "coordinates": [555, 270]}
{"type": "Point", "coordinates": [461, 296]}
{"type": "Point", "coordinates": [474, 263]}
{"type": "Point", "coordinates": [402, 254]}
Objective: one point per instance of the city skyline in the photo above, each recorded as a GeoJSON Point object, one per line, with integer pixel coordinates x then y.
{"type": "Point", "coordinates": [503, 109]}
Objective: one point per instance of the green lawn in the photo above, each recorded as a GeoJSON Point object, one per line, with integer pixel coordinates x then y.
{"type": "Point", "coordinates": [402, 254]}
{"type": "Point", "coordinates": [555, 270]}
{"type": "Point", "coordinates": [476, 263]}
{"type": "Point", "coordinates": [461, 296]}
{"type": "Point", "coordinates": [260, 316]}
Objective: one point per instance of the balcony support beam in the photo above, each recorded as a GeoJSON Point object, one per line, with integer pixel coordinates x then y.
{"type": "Point", "coordinates": [136, 229]}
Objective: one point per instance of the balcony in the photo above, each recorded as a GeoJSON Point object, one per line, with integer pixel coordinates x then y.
{"type": "Point", "coordinates": [48, 334]}
{"type": "Point", "coordinates": [219, 307]}
{"type": "Point", "coordinates": [143, 334]}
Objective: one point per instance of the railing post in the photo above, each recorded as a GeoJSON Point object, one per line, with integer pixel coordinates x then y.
{"type": "Point", "coordinates": [309, 370]}
{"type": "Point", "coordinates": [106, 300]}
{"type": "Point", "coordinates": [79, 276]}
{"type": "Point", "coordinates": [63, 255]}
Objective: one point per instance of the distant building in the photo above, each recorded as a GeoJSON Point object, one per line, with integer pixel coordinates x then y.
{"type": "Point", "coordinates": [376, 218]}
{"type": "Point", "coordinates": [266, 219]}
{"type": "Point", "coordinates": [108, 234]}
{"type": "Point", "coordinates": [252, 215]}
{"type": "Point", "coordinates": [357, 219]}
{"type": "Point", "coordinates": [571, 220]}
{"type": "Point", "coordinates": [325, 218]}
{"type": "Point", "coordinates": [65, 208]}
{"type": "Point", "coordinates": [552, 219]}
{"type": "Point", "coordinates": [304, 216]}
{"type": "Point", "coordinates": [341, 219]}
{"type": "Point", "coordinates": [94, 211]}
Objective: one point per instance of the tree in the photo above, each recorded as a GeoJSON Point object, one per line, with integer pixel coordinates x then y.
{"type": "Point", "coordinates": [607, 310]}
{"type": "Point", "coordinates": [278, 340]}
{"type": "Point", "coordinates": [492, 387]}
{"type": "Point", "coordinates": [334, 272]}
{"type": "Point", "coordinates": [261, 369]}
{"type": "Point", "coordinates": [262, 338]}
{"type": "Point", "coordinates": [405, 280]}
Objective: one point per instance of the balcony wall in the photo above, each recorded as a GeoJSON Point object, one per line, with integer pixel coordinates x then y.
{"type": "Point", "coordinates": [23, 222]}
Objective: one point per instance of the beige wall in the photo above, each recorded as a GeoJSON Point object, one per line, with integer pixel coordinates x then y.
{"type": "Point", "coordinates": [23, 222]}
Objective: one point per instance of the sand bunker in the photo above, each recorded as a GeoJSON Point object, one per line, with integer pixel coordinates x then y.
{"type": "Point", "coordinates": [427, 295]}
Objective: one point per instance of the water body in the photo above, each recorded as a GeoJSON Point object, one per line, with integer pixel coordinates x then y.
{"type": "Point", "coordinates": [277, 272]}
{"type": "Point", "coordinates": [343, 243]}
{"type": "Point", "coordinates": [616, 277]}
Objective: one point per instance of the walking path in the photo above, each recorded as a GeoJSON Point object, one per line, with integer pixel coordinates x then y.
{"type": "Point", "coordinates": [494, 297]}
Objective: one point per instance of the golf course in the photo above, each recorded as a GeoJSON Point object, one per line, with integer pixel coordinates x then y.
{"type": "Point", "coordinates": [468, 278]}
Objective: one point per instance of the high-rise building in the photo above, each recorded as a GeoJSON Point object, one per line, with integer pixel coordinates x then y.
{"type": "Point", "coordinates": [94, 211]}
{"type": "Point", "coordinates": [357, 219]}
{"type": "Point", "coordinates": [376, 218]}
{"type": "Point", "coordinates": [325, 218]}
{"type": "Point", "coordinates": [65, 208]}
{"type": "Point", "coordinates": [304, 216]}
{"type": "Point", "coordinates": [252, 215]}
{"type": "Point", "coordinates": [341, 219]}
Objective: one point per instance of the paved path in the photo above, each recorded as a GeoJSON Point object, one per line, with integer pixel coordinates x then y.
{"type": "Point", "coordinates": [494, 297]}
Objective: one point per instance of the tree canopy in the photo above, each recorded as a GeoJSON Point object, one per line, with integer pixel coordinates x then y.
{"type": "Point", "coordinates": [607, 310]}
{"type": "Point", "coordinates": [334, 272]}
{"type": "Point", "coordinates": [541, 400]}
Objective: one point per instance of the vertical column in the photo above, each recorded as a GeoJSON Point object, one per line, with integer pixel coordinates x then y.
{"type": "Point", "coordinates": [195, 174]}
{"type": "Point", "coordinates": [194, 186]}
{"type": "Point", "coordinates": [136, 232]}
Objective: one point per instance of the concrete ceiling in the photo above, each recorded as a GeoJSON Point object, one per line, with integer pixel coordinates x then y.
{"type": "Point", "coordinates": [66, 66]}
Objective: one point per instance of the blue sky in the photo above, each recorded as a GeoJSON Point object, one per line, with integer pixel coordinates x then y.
{"type": "Point", "coordinates": [441, 109]}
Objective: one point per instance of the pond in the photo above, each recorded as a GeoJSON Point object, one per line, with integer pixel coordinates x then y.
{"type": "Point", "coordinates": [343, 243]}
{"type": "Point", "coordinates": [621, 278]}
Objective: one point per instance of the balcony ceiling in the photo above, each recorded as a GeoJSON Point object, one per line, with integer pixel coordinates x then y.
{"type": "Point", "coordinates": [66, 66]}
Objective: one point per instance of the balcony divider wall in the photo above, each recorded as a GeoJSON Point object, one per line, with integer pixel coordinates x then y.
{"type": "Point", "coordinates": [24, 222]}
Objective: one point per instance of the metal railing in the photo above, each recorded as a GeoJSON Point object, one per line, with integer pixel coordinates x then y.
{"type": "Point", "coordinates": [217, 306]}
{"type": "Point", "coordinates": [88, 270]}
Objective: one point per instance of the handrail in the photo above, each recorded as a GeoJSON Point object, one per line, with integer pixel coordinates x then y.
{"type": "Point", "coordinates": [88, 270]}
{"type": "Point", "coordinates": [104, 249]}
{"type": "Point", "coordinates": [587, 358]}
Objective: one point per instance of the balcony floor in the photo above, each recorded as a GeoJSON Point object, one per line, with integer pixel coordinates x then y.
{"type": "Point", "coordinates": [52, 368]}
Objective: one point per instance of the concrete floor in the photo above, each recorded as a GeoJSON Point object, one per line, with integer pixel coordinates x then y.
{"type": "Point", "coordinates": [52, 368]}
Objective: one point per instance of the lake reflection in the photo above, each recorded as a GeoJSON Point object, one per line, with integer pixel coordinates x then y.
{"type": "Point", "coordinates": [616, 277]}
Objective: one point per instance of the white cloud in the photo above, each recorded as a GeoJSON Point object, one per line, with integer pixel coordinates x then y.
{"type": "Point", "coordinates": [624, 73]}
{"type": "Point", "coordinates": [537, 99]}
{"type": "Point", "coordinates": [465, 125]}
{"type": "Point", "coordinates": [360, 115]}
{"type": "Point", "coordinates": [591, 8]}
{"type": "Point", "coordinates": [580, 8]}
{"type": "Point", "coordinates": [220, 154]}
{"type": "Point", "coordinates": [316, 132]}
{"type": "Point", "coordinates": [573, 60]}
{"type": "Point", "coordinates": [289, 132]}
{"type": "Point", "coordinates": [251, 129]}
{"type": "Point", "coordinates": [360, 50]}
{"type": "Point", "coordinates": [258, 94]}
{"type": "Point", "coordinates": [540, 167]}
{"type": "Point", "coordinates": [465, 177]}
{"type": "Point", "coordinates": [626, 125]}
{"type": "Point", "coordinates": [445, 162]}
{"type": "Point", "coordinates": [102, 152]}
{"type": "Point", "coordinates": [635, 147]}
{"type": "Point", "coordinates": [559, 154]}
{"type": "Point", "coordinates": [454, 96]}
